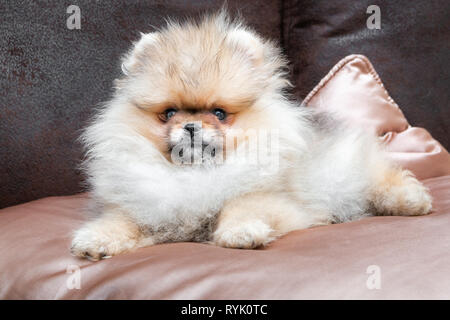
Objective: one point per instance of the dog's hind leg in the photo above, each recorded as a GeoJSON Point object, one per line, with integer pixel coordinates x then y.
{"type": "Point", "coordinates": [397, 192]}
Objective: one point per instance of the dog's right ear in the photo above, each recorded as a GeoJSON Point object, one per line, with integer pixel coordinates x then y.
{"type": "Point", "coordinates": [249, 42]}
{"type": "Point", "coordinates": [133, 60]}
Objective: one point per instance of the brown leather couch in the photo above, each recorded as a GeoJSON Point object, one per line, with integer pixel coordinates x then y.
{"type": "Point", "coordinates": [53, 77]}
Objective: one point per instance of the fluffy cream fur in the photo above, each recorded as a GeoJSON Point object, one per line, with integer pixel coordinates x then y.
{"type": "Point", "coordinates": [326, 173]}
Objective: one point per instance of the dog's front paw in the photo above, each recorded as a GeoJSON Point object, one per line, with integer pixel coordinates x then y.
{"type": "Point", "coordinates": [94, 243]}
{"type": "Point", "coordinates": [248, 235]}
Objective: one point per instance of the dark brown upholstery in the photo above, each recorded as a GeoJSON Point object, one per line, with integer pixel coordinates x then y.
{"type": "Point", "coordinates": [52, 77]}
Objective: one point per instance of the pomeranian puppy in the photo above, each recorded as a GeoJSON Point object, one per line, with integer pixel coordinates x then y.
{"type": "Point", "coordinates": [200, 143]}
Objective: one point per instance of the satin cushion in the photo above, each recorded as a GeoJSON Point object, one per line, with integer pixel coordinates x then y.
{"type": "Point", "coordinates": [329, 262]}
{"type": "Point", "coordinates": [353, 90]}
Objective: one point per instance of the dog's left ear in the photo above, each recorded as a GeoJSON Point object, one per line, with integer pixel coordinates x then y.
{"type": "Point", "coordinates": [249, 42]}
{"type": "Point", "coordinates": [131, 62]}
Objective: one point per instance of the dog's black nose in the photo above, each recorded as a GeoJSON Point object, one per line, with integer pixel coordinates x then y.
{"type": "Point", "coordinates": [192, 128]}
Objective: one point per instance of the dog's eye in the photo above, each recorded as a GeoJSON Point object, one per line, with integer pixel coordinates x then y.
{"type": "Point", "coordinates": [220, 114]}
{"type": "Point", "coordinates": [169, 113]}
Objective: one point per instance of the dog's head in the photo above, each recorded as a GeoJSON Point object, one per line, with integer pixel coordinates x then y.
{"type": "Point", "coordinates": [190, 84]}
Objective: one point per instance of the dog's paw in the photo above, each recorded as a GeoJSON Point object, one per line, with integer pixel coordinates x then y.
{"type": "Point", "coordinates": [412, 199]}
{"type": "Point", "coordinates": [408, 198]}
{"type": "Point", "coordinates": [248, 235]}
{"type": "Point", "coordinates": [95, 244]}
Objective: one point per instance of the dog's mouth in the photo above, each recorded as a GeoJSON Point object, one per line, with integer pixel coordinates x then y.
{"type": "Point", "coordinates": [192, 148]}
{"type": "Point", "coordinates": [193, 152]}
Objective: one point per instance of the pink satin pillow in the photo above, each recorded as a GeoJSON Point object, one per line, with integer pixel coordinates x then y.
{"type": "Point", "coordinates": [355, 92]}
